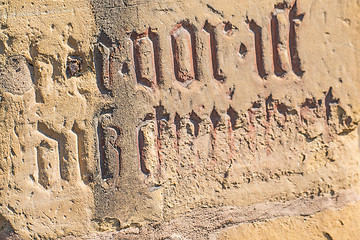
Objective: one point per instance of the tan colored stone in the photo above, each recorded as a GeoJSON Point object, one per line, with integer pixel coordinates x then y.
{"type": "Point", "coordinates": [150, 118]}
{"type": "Point", "coordinates": [330, 224]}
{"type": "Point", "coordinates": [45, 120]}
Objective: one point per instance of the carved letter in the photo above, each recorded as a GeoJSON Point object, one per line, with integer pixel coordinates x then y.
{"type": "Point", "coordinates": [256, 29]}
{"type": "Point", "coordinates": [294, 20]}
{"type": "Point", "coordinates": [276, 45]}
{"type": "Point", "coordinates": [103, 64]}
{"type": "Point", "coordinates": [145, 54]}
{"type": "Point", "coordinates": [147, 138]}
{"type": "Point", "coordinates": [48, 164]}
{"type": "Point", "coordinates": [68, 151]}
{"type": "Point", "coordinates": [184, 54]}
{"type": "Point", "coordinates": [110, 153]}
{"type": "Point", "coordinates": [217, 64]}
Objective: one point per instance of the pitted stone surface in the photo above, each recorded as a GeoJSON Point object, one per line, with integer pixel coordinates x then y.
{"type": "Point", "coordinates": [176, 119]}
{"type": "Point", "coordinates": [15, 75]}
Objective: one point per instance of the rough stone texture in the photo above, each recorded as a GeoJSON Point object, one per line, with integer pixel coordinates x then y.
{"type": "Point", "coordinates": [319, 215]}
{"type": "Point", "coordinates": [330, 224]}
{"type": "Point", "coordinates": [177, 119]}
{"type": "Point", "coordinates": [44, 126]}
{"type": "Point", "coordinates": [16, 76]}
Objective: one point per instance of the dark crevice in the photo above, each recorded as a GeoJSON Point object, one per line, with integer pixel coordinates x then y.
{"type": "Point", "coordinates": [177, 122]}
{"type": "Point", "coordinates": [310, 103]}
{"type": "Point", "coordinates": [212, 9]}
{"type": "Point", "coordinates": [228, 27]}
{"type": "Point", "coordinates": [125, 68]}
{"type": "Point", "coordinates": [233, 117]}
{"type": "Point", "coordinates": [243, 50]}
{"type": "Point", "coordinates": [256, 105]}
{"type": "Point", "coordinates": [141, 142]}
{"type": "Point", "coordinates": [215, 118]}
{"type": "Point", "coordinates": [195, 120]}
{"type": "Point", "coordinates": [327, 236]}
{"type": "Point", "coordinates": [329, 100]}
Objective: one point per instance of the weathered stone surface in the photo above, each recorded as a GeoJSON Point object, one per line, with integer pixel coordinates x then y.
{"type": "Point", "coordinates": [176, 119]}
{"type": "Point", "coordinates": [330, 224]}
{"type": "Point", "coordinates": [312, 216]}
{"type": "Point", "coordinates": [46, 121]}
{"type": "Point", "coordinates": [16, 76]}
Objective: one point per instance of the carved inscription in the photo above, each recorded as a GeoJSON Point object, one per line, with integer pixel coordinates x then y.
{"type": "Point", "coordinates": [222, 137]}
{"type": "Point", "coordinates": [110, 152]}
{"type": "Point", "coordinates": [219, 127]}
{"type": "Point", "coordinates": [48, 163]}
{"type": "Point", "coordinates": [278, 49]}
{"type": "Point", "coordinates": [215, 119]}
{"type": "Point", "coordinates": [151, 133]}
{"type": "Point", "coordinates": [162, 121]}
{"type": "Point", "coordinates": [177, 124]}
{"type": "Point", "coordinates": [83, 154]}
{"type": "Point", "coordinates": [284, 22]}
{"type": "Point", "coordinates": [108, 133]}
{"type": "Point", "coordinates": [184, 51]}
{"type": "Point", "coordinates": [102, 64]}
{"type": "Point", "coordinates": [68, 155]}
{"type": "Point", "coordinates": [148, 151]}
{"type": "Point", "coordinates": [146, 57]}
{"type": "Point", "coordinates": [280, 41]}
{"type": "Point", "coordinates": [256, 29]}
{"type": "Point", "coordinates": [217, 62]}
{"type": "Point", "coordinates": [295, 19]}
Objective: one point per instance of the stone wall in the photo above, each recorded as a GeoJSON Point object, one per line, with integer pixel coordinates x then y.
{"type": "Point", "coordinates": [179, 119]}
